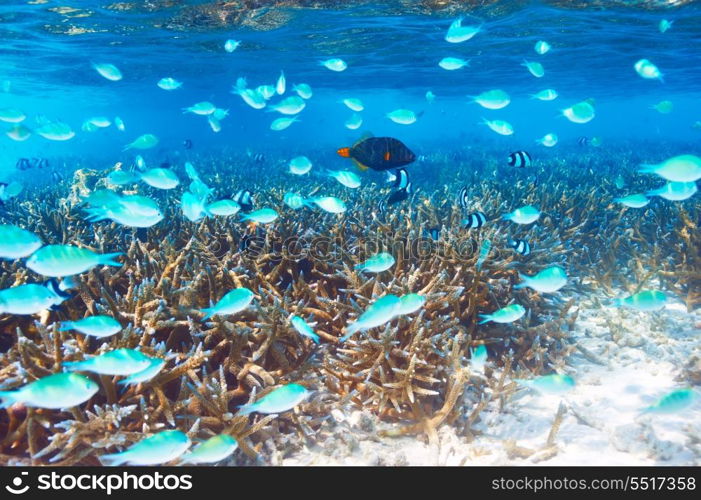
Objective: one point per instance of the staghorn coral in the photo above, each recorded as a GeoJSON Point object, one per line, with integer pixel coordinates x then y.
{"type": "Point", "coordinates": [414, 371]}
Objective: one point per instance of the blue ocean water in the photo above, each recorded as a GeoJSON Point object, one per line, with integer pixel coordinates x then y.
{"type": "Point", "coordinates": [392, 55]}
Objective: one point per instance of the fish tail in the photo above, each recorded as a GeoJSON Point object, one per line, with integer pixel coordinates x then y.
{"type": "Point", "coordinates": [647, 168]}
{"type": "Point", "coordinates": [96, 214]}
{"type": "Point", "coordinates": [343, 152]}
{"type": "Point", "coordinates": [208, 311]}
{"type": "Point", "coordinates": [114, 459]}
{"type": "Point", "coordinates": [315, 338]}
{"type": "Point", "coordinates": [8, 398]}
{"type": "Point", "coordinates": [506, 217]}
{"type": "Point", "coordinates": [107, 259]}
{"type": "Point", "coordinates": [616, 302]}
{"type": "Point", "coordinates": [486, 318]}
{"type": "Point", "coordinates": [350, 330]}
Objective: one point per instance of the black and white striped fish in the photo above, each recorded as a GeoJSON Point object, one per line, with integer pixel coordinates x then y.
{"type": "Point", "coordinates": [463, 199]}
{"type": "Point", "coordinates": [521, 246]}
{"type": "Point", "coordinates": [520, 159]}
{"type": "Point", "coordinates": [583, 141]}
{"type": "Point", "coordinates": [399, 178]}
{"type": "Point", "coordinates": [382, 208]}
{"type": "Point", "coordinates": [399, 195]}
{"type": "Point", "coordinates": [56, 176]}
{"type": "Point", "coordinates": [243, 198]}
{"type": "Point", "coordinates": [475, 221]}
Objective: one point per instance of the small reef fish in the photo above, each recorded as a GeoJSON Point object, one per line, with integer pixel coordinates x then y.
{"type": "Point", "coordinates": [281, 84]}
{"type": "Point", "coordinates": [458, 33]}
{"type": "Point", "coordinates": [648, 70]}
{"type": "Point", "coordinates": [282, 123]}
{"type": "Point", "coordinates": [501, 127]}
{"type": "Point", "coordinates": [233, 302]}
{"type": "Point", "coordinates": [646, 300]}
{"type": "Point", "coordinates": [664, 107]}
{"type": "Point", "coordinates": [399, 178]}
{"type": "Point", "coordinates": [118, 362]}
{"type": "Point", "coordinates": [474, 221]}
{"type": "Point", "coordinates": [261, 216]}
{"type": "Point", "coordinates": [293, 200]}
{"type": "Point", "coordinates": [303, 90]}
{"type": "Point", "coordinates": [484, 253]}
{"type": "Point", "coordinates": [664, 25]}
{"type": "Point", "coordinates": [60, 390]}
{"type": "Point", "coordinates": [582, 112]}
{"type": "Point", "coordinates": [244, 199]}
{"type": "Point", "coordinates": [169, 84]}
{"type": "Point", "coordinates": [121, 178]}
{"type": "Point", "coordinates": [453, 63]}
{"type": "Point", "coordinates": [400, 195]}
{"type": "Point", "coordinates": [193, 206]}
{"type": "Point", "coordinates": [673, 402]}
{"type": "Point", "coordinates": [289, 106]}
{"type": "Point", "coordinates": [354, 104]}
{"type": "Point", "coordinates": [300, 165]}
{"type": "Point", "coordinates": [377, 263]}
{"type": "Point", "coordinates": [541, 47]}
{"type": "Point", "coordinates": [380, 312]}
{"type": "Point", "coordinates": [478, 358]}
{"type": "Point", "coordinates": [402, 116]}
{"type": "Point", "coordinates": [492, 99]}
{"type": "Point", "coordinates": [158, 449]}
{"type": "Point", "coordinates": [19, 133]}
{"type": "Point", "coordinates": [252, 97]}
{"type": "Point", "coordinates": [345, 177]}
{"type": "Point", "coordinates": [146, 141]}
{"type": "Point", "coordinates": [12, 115]}
{"type": "Point", "coordinates": [682, 168]}
{"type": "Point", "coordinates": [119, 123]}
{"type": "Point", "coordinates": [223, 208]}
{"type": "Point", "coordinates": [56, 131]}
{"type": "Point", "coordinates": [410, 303]}
{"type": "Point", "coordinates": [215, 449]}
{"type": "Point", "coordinates": [430, 97]}
{"type": "Point", "coordinates": [203, 108]}
{"type": "Point", "coordinates": [548, 280]}
{"type": "Point", "coordinates": [95, 326]}
{"type": "Point", "coordinates": [231, 45]}
{"type": "Point", "coordinates": [520, 246]}
{"type": "Point", "coordinates": [378, 153]}
{"type": "Point", "coordinates": [535, 68]}
{"type": "Point", "coordinates": [160, 178]}
{"type": "Point", "coordinates": [675, 191]}
{"type": "Point", "coordinates": [463, 198]}
{"type": "Point", "coordinates": [507, 314]}
{"type": "Point", "coordinates": [554, 384]}
{"type": "Point", "coordinates": [633, 200]}
{"type": "Point", "coordinates": [520, 159]}
{"type": "Point", "coordinates": [17, 243]}
{"type": "Point", "coordinates": [108, 71]}
{"type": "Point", "coordinates": [548, 140]}
{"type": "Point", "coordinates": [329, 204]}
{"type": "Point", "coordinates": [279, 400]}
{"type": "Point", "coordinates": [354, 122]}
{"type": "Point", "coordinates": [334, 64]}
{"type": "Point", "coordinates": [303, 328]}
{"type": "Point", "coordinates": [154, 367]}
{"type": "Point", "coordinates": [67, 260]}
{"type": "Point", "coordinates": [32, 298]}
{"type": "Point", "coordinates": [524, 215]}
{"type": "Point", "coordinates": [545, 95]}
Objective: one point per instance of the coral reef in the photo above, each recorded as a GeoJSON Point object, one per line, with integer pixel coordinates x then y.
{"type": "Point", "coordinates": [414, 371]}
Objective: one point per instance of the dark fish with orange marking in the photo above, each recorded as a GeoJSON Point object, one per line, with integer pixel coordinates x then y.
{"type": "Point", "coordinates": [378, 153]}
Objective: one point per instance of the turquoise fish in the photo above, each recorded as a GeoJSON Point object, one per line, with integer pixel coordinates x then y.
{"type": "Point", "coordinates": [279, 400]}
{"type": "Point", "coordinates": [118, 362]}
{"type": "Point", "coordinates": [507, 314]}
{"type": "Point", "coordinates": [233, 302]}
{"type": "Point", "coordinates": [60, 390]}
{"type": "Point", "coordinates": [215, 449]}
{"type": "Point", "coordinates": [95, 326]}
{"type": "Point", "coordinates": [153, 450]}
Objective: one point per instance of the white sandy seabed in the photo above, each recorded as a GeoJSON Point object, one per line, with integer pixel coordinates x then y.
{"type": "Point", "coordinates": [622, 373]}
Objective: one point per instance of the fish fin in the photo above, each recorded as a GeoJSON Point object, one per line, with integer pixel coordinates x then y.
{"type": "Point", "coordinates": [209, 312]}
{"type": "Point", "coordinates": [72, 366]}
{"type": "Point", "coordinates": [107, 259]}
{"type": "Point", "coordinates": [246, 409]}
{"type": "Point", "coordinates": [647, 168]}
{"type": "Point", "coordinates": [360, 165]}
{"type": "Point", "coordinates": [343, 152]}
{"type": "Point", "coordinates": [365, 136]}
{"type": "Point", "coordinates": [9, 398]}
{"type": "Point", "coordinates": [114, 459]}
{"type": "Point", "coordinates": [486, 318]}
{"type": "Point", "coordinates": [65, 326]}
{"type": "Point", "coordinates": [518, 286]}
